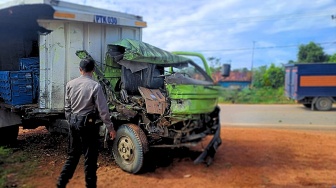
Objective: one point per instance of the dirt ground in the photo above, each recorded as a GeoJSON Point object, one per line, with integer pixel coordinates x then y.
{"type": "Point", "coordinates": [248, 157]}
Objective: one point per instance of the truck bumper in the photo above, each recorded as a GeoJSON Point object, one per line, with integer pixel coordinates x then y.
{"type": "Point", "coordinates": [208, 154]}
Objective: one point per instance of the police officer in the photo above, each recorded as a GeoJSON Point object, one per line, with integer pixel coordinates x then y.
{"type": "Point", "coordinates": [82, 98]}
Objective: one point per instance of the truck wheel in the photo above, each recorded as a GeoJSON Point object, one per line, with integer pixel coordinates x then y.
{"type": "Point", "coordinates": [8, 135]}
{"type": "Point", "coordinates": [323, 104]}
{"type": "Point", "coordinates": [129, 148]}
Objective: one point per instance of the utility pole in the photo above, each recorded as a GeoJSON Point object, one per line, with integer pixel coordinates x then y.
{"type": "Point", "coordinates": [252, 63]}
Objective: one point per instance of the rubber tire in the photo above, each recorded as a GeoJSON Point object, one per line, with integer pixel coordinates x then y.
{"type": "Point", "coordinates": [133, 134]}
{"type": "Point", "coordinates": [8, 135]}
{"type": "Point", "coordinates": [307, 105]}
{"type": "Point", "coordinates": [323, 104]}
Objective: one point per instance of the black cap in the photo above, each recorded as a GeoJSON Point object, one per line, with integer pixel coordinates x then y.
{"type": "Point", "coordinates": [87, 65]}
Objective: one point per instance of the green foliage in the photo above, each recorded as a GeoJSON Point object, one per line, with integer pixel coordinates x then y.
{"type": "Point", "coordinates": [256, 96]}
{"type": "Point", "coordinates": [22, 163]}
{"type": "Point", "coordinates": [241, 70]}
{"type": "Point", "coordinates": [4, 154]}
{"type": "Point", "coordinates": [82, 54]}
{"type": "Point", "coordinates": [258, 76]}
{"type": "Point", "coordinates": [215, 64]}
{"type": "Point", "coordinates": [332, 58]}
{"type": "Point", "coordinates": [268, 77]}
{"type": "Point", "coordinates": [274, 76]}
{"type": "Point", "coordinates": [291, 62]}
{"type": "Point", "coordinates": [311, 53]}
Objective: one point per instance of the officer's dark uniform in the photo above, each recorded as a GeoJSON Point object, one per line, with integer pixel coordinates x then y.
{"type": "Point", "coordinates": [83, 96]}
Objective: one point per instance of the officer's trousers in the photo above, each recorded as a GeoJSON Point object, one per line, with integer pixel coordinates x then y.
{"type": "Point", "coordinates": [82, 140]}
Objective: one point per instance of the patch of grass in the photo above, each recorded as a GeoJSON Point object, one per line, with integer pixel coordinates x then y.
{"type": "Point", "coordinates": [4, 155]}
{"type": "Point", "coordinates": [256, 96]}
{"type": "Point", "coordinates": [15, 167]}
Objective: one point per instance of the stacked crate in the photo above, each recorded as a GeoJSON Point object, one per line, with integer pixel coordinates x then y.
{"type": "Point", "coordinates": [32, 64]}
{"type": "Point", "coordinates": [16, 87]}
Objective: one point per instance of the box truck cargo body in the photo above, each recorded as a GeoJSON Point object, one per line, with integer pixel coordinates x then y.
{"type": "Point", "coordinates": [313, 85]}
{"type": "Point", "coordinates": [51, 32]}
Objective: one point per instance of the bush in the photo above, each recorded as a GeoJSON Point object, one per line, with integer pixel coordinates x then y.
{"type": "Point", "coordinates": [255, 96]}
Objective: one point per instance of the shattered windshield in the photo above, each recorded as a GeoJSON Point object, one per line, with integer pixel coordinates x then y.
{"type": "Point", "coordinates": [190, 71]}
{"type": "Point", "coordinates": [191, 74]}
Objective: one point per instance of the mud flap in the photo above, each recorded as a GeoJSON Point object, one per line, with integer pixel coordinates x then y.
{"type": "Point", "coordinates": [8, 118]}
{"type": "Point", "coordinates": [208, 154]}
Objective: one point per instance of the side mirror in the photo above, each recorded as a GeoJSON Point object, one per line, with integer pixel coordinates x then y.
{"type": "Point", "coordinates": [226, 69]}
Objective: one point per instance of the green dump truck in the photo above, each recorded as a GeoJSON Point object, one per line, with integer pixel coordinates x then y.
{"type": "Point", "coordinates": [158, 99]}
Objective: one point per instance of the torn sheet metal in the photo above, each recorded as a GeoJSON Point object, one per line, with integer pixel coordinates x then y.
{"type": "Point", "coordinates": [154, 99]}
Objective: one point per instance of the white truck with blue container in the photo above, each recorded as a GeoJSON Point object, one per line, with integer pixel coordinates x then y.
{"type": "Point", "coordinates": [313, 85]}
{"type": "Point", "coordinates": [39, 40]}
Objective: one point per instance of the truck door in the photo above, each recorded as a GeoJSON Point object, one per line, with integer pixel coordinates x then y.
{"type": "Point", "coordinates": [288, 82]}
{"type": "Point", "coordinates": [291, 80]}
{"type": "Point", "coordinates": [294, 83]}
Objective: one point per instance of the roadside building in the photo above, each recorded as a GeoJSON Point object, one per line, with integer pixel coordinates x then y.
{"type": "Point", "coordinates": [236, 80]}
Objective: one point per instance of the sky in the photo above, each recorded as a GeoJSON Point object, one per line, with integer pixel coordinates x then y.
{"type": "Point", "coordinates": [242, 33]}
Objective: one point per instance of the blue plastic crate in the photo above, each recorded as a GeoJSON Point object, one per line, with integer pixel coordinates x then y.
{"type": "Point", "coordinates": [23, 74]}
{"type": "Point", "coordinates": [5, 88]}
{"type": "Point", "coordinates": [16, 87]}
{"type": "Point", "coordinates": [21, 94]}
{"type": "Point", "coordinates": [4, 83]}
{"type": "Point", "coordinates": [6, 91]}
{"type": "Point", "coordinates": [32, 64]}
{"type": "Point", "coordinates": [20, 89]}
{"type": "Point", "coordinates": [29, 63]}
{"type": "Point", "coordinates": [21, 81]}
{"type": "Point", "coordinates": [19, 100]}
{"type": "Point", "coordinates": [28, 88]}
{"type": "Point", "coordinates": [6, 96]}
{"type": "Point", "coordinates": [20, 74]}
{"type": "Point", "coordinates": [4, 75]}
{"type": "Point", "coordinates": [18, 96]}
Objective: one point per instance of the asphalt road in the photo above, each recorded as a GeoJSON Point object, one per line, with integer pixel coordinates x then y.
{"type": "Point", "coordinates": [277, 116]}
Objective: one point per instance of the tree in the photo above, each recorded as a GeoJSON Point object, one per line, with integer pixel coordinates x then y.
{"type": "Point", "coordinates": [332, 58]}
{"type": "Point", "coordinates": [241, 70]}
{"type": "Point", "coordinates": [311, 53]}
{"type": "Point", "coordinates": [257, 77]}
{"type": "Point", "coordinates": [291, 62]}
{"type": "Point", "coordinates": [274, 76]}
{"type": "Point", "coordinates": [215, 64]}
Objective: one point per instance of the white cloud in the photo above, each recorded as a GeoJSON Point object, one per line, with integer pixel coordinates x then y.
{"type": "Point", "coordinates": [227, 29]}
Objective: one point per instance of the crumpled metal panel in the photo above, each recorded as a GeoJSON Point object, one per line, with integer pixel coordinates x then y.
{"type": "Point", "coordinates": [138, 51]}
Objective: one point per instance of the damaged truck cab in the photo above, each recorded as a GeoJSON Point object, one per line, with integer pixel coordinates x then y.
{"type": "Point", "coordinates": [157, 99]}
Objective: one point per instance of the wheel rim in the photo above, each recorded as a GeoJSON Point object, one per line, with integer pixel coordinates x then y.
{"type": "Point", "coordinates": [324, 103]}
{"type": "Point", "coordinates": [126, 149]}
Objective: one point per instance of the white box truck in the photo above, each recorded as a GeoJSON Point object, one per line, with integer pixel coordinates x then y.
{"type": "Point", "coordinates": [51, 31]}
